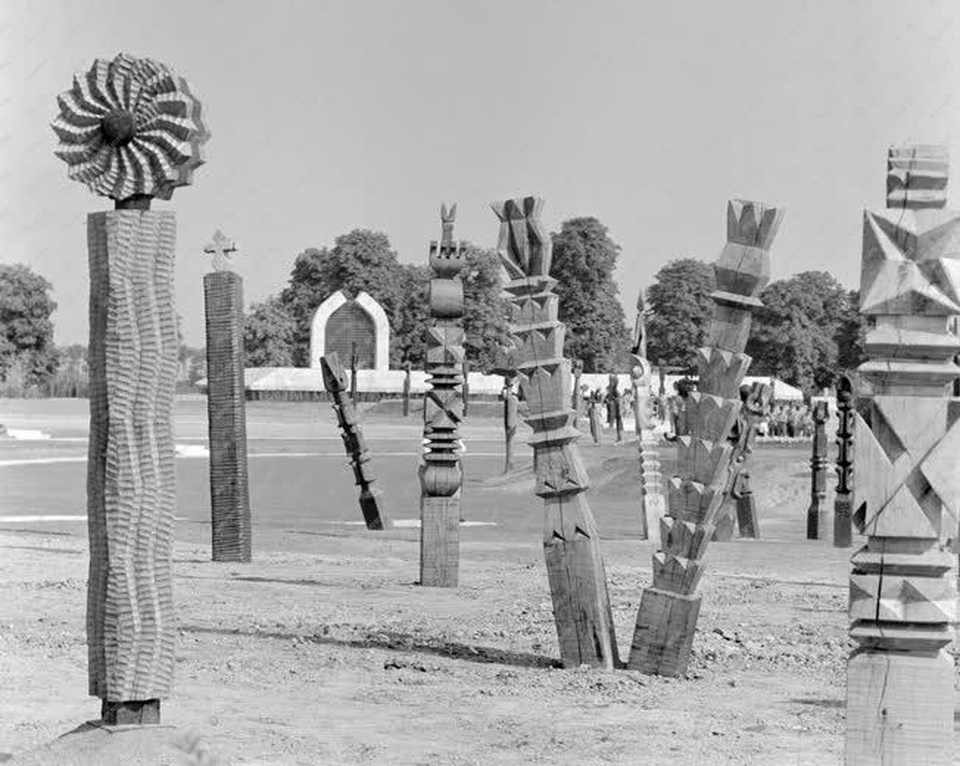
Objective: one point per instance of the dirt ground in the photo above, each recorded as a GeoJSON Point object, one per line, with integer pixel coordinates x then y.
{"type": "Point", "coordinates": [326, 651]}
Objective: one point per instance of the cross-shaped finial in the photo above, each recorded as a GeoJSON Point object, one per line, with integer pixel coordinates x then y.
{"type": "Point", "coordinates": [220, 248]}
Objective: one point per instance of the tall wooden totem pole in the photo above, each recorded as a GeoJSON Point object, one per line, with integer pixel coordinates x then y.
{"type": "Point", "coordinates": [440, 474]}
{"type": "Point", "coordinates": [130, 129]}
{"type": "Point", "coordinates": [653, 501]}
{"type": "Point", "coordinates": [903, 597]}
{"type": "Point", "coordinates": [817, 511]}
{"type": "Point", "coordinates": [669, 609]}
{"type": "Point", "coordinates": [578, 583]}
{"type": "Point", "coordinates": [226, 406]}
{"type": "Point", "coordinates": [843, 500]}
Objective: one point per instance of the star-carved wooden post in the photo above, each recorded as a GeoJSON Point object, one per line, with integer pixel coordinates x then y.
{"type": "Point", "coordinates": [667, 619]}
{"type": "Point", "coordinates": [906, 486]}
{"type": "Point", "coordinates": [578, 584]}
{"type": "Point", "coordinates": [226, 406]}
{"type": "Point", "coordinates": [130, 129]}
{"type": "Point", "coordinates": [443, 407]}
{"type": "Point", "coordinates": [371, 499]}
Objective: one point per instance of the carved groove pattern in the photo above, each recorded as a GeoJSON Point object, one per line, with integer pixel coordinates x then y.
{"type": "Point", "coordinates": [226, 416]}
{"type": "Point", "coordinates": [843, 500]}
{"type": "Point", "coordinates": [817, 512]}
{"type": "Point", "coordinates": [131, 479]}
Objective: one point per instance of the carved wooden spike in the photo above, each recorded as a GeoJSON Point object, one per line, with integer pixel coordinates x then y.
{"type": "Point", "coordinates": [900, 697]}
{"type": "Point", "coordinates": [668, 610]}
{"type": "Point", "coordinates": [444, 409]}
{"type": "Point", "coordinates": [226, 416]}
{"type": "Point", "coordinates": [131, 473]}
{"type": "Point", "coordinates": [817, 512]}
{"type": "Point", "coordinates": [336, 383]}
{"type": "Point", "coordinates": [578, 584]}
{"type": "Point", "coordinates": [843, 501]}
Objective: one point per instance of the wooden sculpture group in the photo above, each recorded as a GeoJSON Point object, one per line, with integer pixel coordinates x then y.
{"type": "Point", "coordinates": [131, 130]}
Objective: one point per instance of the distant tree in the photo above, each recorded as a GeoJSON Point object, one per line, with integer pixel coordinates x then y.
{"type": "Point", "coordinates": [679, 306]}
{"type": "Point", "coordinates": [408, 342]}
{"type": "Point", "coordinates": [584, 259]}
{"type": "Point", "coordinates": [485, 308]}
{"type": "Point", "coordinates": [268, 335]}
{"type": "Point", "coordinates": [359, 261]}
{"type": "Point", "coordinates": [851, 334]}
{"type": "Point", "coordinates": [26, 330]}
{"type": "Point", "coordinates": [794, 335]}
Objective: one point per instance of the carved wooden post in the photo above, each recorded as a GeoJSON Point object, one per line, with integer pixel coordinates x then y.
{"type": "Point", "coordinates": [614, 413]}
{"type": "Point", "coordinates": [843, 500]}
{"type": "Point", "coordinates": [817, 512]}
{"type": "Point", "coordinates": [593, 416]}
{"type": "Point", "coordinates": [406, 388]}
{"type": "Point", "coordinates": [510, 420]}
{"type": "Point", "coordinates": [653, 501]}
{"type": "Point", "coordinates": [353, 372]}
{"type": "Point", "coordinates": [335, 382]}
{"type": "Point", "coordinates": [466, 384]}
{"type": "Point", "coordinates": [903, 598]}
{"type": "Point", "coordinates": [130, 129]}
{"type": "Point", "coordinates": [226, 407]}
{"type": "Point", "coordinates": [577, 396]}
{"type": "Point", "coordinates": [578, 584]}
{"type": "Point", "coordinates": [668, 611]}
{"type": "Point", "coordinates": [440, 474]}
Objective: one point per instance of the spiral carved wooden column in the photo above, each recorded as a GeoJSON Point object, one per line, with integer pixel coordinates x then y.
{"type": "Point", "coordinates": [903, 595]}
{"type": "Point", "coordinates": [669, 609]}
{"type": "Point", "coordinates": [443, 405]}
{"type": "Point", "coordinates": [130, 130]}
{"type": "Point", "coordinates": [578, 584]}
{"type": "Point", "coordinates": [226, 407]}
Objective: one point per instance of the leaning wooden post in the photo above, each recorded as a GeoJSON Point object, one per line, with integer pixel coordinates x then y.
{"type": "Point", "coordinates": [653, 501]}
{"type": "Point", "coordinates": [353, 372]}
{"type": "Point", "coordinates": [843, 500]}
{"type": "Point", "coordinates": [668, 610]}
{"type": "Point", "coordinates": [578, 584]}
{"type": "Point", "coordinates": [903, 597]}
{"type": "Point", "coordinates": [226, 407]}
{"type": "Point", "coordinates": [440, 474]}
{"type": "Point", "coordinates": [115, 118]}
{"type": "Point", "coordinates": [817, 512]}
{"type": "Point", "coordinates": [336, 383]}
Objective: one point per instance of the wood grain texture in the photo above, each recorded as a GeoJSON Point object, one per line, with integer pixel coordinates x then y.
{"type": "Point", "coordinates": [226, 418]}
{"type": "Point", "coordinates": [578, 583]}
{"type": "Point", "coordinates": [337, 385]}
{"type": "Point", "coordinates": [131, 472]}
{"type": "Point", "coordinates": [666, 622]}
{"type": "Point", "coordinates": [817, 510]}
{"type": "Point", "coordinates": [653, 499]}
{"type": "Point", "coordinates": [903, 597]}
{"type": "Point", "coordinates": [444, 408]}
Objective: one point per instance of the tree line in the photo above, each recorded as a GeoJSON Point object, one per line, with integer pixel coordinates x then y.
{"type": "Point", "coordinates": [808, 331]}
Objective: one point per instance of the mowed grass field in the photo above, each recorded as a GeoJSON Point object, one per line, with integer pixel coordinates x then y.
{"type": "Point", "coordinates": [325, 650]}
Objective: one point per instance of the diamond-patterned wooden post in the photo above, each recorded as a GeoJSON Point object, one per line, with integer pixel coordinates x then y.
{"type": "Point", "coordinates": [440, 474]}
{"type": "Point", "coordinates": [903, 597]}
{"type": "Point", "coordinates": [667, 619]}
{"type": "Point", "coordinates": [130, 129]}
{"type": "Point", "coordinates": [578, 584]}
{"type": "Point", "coordinates": [226, 406]}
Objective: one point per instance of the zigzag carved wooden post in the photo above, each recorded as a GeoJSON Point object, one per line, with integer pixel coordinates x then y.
{"type": "Point", "coordinates": [115, 116]}
{"type": "Point", "coordinates": [443, 406]}
{"type": "Point", "coordinates": [903, 596]}
{"type": "Point", "coordinates": [578, 584]}
{"type": "Point", "coordinates": [669, 609]}
{"type": "Point", "coordinates": [226, 407]}
{"type": "Point", "coordinates": [337, 385]}
{"type": "Point", "coordinates": [843, 500]}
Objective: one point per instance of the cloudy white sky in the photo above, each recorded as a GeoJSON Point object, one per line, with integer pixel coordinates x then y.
{"type": "Point", "coordinates": [328, 116]}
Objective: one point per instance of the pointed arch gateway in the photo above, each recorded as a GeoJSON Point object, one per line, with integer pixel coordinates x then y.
{"type": "Point", "coordinates": [339, 322]}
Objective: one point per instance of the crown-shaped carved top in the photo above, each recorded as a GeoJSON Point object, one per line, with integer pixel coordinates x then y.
{"type": "Point", "coordinates": [447, 219]}
{"type": "Point", "coordinates": [447, 257]}
{"type": "Point", "coordinates": [334, 376]}
{"type": "Point", "coordinates": [752, 223]}
{"type": "Point", "coordinates": [524, 246]}
{"type": "Point", "coordinates": [917, 176]}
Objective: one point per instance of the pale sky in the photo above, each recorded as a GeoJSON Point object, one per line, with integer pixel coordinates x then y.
{"type": "Point", "coordinates": [327, 116]}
